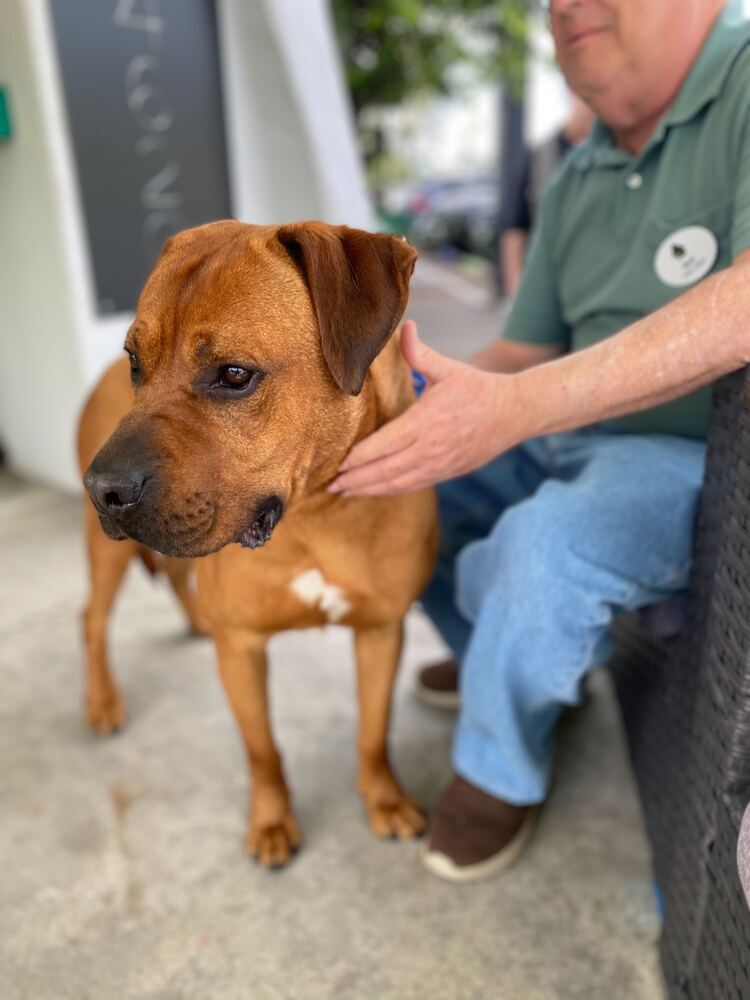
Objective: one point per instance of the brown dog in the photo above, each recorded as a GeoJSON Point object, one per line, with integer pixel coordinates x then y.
{"type": "Point", "coordinates": [260, 355]}
{"type": "Point", "coordinates": [108, 560]}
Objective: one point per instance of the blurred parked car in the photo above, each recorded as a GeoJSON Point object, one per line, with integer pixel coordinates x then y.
{"type": "Point", "coordinates": [461, 212]}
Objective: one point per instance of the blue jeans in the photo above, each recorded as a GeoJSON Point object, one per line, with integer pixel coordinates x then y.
{"type": "Point", "coordinates": [540, 549]}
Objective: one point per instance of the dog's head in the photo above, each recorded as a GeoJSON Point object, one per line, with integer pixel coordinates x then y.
{"type": "Point", "coordinates": [249, 350]}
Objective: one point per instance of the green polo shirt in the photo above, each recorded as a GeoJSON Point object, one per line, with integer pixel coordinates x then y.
{"type": "Point", "coordinates": [619, 235]}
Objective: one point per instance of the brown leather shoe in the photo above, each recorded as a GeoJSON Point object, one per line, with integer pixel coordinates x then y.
{"type": "Point", "coordinates": [473, 835]}
{"type": "Point", "coordinates": [437, 686]}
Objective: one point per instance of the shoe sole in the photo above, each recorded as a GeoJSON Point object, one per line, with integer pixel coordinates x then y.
{"type": "Point", "coordinates": [443, 867]}
{"type": "Point", "coordinates": [447, 701]}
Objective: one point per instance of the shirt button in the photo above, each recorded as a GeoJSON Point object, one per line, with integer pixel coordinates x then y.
{"type": "Point", "coordinates": [634, 181]}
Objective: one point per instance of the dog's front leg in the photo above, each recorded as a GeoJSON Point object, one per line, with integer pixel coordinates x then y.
{"type": "Point", "coordinates": [391, 812]}
{"type": "Point", "coordinates": [273, 834]}
{"type": "Point", "coordinates": [108, 560]}
{"type": "Point", "coordinates": [178, 572]}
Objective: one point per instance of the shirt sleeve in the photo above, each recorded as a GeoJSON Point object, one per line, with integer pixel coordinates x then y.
{"type": "Point", "coordinates": [536, 314]}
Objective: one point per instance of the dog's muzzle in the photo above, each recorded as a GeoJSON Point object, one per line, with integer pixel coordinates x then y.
{"type": "Point", "coordinates": [113, 493]}
{"type": "Point", "coordinates": [129, 499]}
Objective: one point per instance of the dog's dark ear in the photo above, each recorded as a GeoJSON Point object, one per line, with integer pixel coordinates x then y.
{"type": "Point", "coordinates": [358, 284]}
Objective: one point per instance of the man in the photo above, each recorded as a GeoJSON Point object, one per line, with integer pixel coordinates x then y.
{"type": "Point", "coordinates": [639, 274]}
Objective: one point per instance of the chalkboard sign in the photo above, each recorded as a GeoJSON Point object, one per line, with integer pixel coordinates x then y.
{"type": "Point", "coordinates": [143, 95]}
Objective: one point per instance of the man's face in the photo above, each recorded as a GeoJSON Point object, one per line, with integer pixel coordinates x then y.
{"type": "Point", "coordinates": [623, 47]}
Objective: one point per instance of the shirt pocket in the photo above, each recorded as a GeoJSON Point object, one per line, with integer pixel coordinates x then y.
{"type": "Point", "coordinates": [681, 252]}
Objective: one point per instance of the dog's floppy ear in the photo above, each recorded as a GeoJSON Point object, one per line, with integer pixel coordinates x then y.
{"type": "Point", "coordinates": [358, 284]}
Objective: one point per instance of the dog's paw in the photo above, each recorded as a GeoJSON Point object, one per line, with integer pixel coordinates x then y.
{"type": "Point", "coordinates": [106, 715]}
{"type": "Point", "coordinates": [401, 820]}
{"type": "Point", "coordinates": [392, 813]}
{"type": "Point", "coordinates": [273, 846]}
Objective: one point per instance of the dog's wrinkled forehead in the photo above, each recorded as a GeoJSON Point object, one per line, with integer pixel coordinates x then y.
{"type": "Point", "coordinates": [217, 290]}
{"type": "Point", "coordinates": [306, 287]}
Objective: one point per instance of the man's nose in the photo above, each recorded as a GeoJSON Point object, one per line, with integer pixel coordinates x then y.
{"type": "Point", "coordinates": [114, 490]}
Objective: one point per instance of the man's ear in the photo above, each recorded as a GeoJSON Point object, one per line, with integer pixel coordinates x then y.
{"type": "Point", "coordinates": [358, 284]}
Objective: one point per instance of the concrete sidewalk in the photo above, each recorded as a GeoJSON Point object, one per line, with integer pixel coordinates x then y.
{"type": "Point", "coordinates": [123, 872]}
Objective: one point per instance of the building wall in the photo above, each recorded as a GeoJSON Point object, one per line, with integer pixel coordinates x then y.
{"type": "Point", "coordinates": [292, 155]}
{"type": "Point", "coordinates": [42, 366]}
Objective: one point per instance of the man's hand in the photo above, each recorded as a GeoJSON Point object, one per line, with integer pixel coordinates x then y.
{"type": "Point", "coordinates": [467, 417]}
{"type": "Point", "coordinates": [458, 424]}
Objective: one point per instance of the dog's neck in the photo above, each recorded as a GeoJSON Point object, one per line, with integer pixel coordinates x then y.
{"type": "Point", "coordinates": [386, 393]}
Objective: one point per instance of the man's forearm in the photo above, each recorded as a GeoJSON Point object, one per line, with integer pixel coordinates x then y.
{"type": "Point", "coordinates": [687, 344]}
{"type": "Point", "coordinates": [467, 417]}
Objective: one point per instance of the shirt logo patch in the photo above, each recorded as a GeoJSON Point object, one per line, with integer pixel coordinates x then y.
{"type": "Point", "coordinates": [686, 256]}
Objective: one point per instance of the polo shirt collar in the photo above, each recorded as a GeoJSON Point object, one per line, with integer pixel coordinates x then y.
{"type": "Point", "coordinates": [703, 84]}
{"type": "Point", "coordinates": [708, 75]}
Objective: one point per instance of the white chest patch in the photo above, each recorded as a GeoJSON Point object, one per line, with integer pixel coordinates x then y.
{"type": "Point", "coordinates": [312, 589]}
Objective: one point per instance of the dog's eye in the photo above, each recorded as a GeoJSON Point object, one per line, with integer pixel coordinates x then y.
{"type": "Point", "coordinates": [135, 371]}
{"type": "Point", "coordinates": [238, 379]}
{"type": "Point", "coordinates": [234, 377]}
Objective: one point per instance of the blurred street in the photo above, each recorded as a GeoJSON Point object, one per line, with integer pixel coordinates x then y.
{"type": "Point", "coordinates": [456, 313]}
{"type": "Point", "coordinates": [124, 875]}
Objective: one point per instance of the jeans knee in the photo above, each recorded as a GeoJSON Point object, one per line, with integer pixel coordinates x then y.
{"type": "Point", "coordinates": [531, 571]}
{"type": "Point", "coordinates": [516, 560]}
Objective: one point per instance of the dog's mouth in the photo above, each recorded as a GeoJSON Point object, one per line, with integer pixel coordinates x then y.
{"type": "Point", "coordinates": [111, 528]}
{"type": "Point", "coordinates": [187, 533]}
{"type": "Point", "coordinates": [183, 532]}
{"type": "Point", "coordinates": [266, 516]}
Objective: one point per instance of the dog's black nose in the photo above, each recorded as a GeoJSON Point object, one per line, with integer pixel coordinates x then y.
{"type": "Point", "coordinates": [113, 491]}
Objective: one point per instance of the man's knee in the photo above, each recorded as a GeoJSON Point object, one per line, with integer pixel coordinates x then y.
{"type": "Point", "coordinates": [470, 505]}
{"type": "Point", "coordinates": [542, 562]}
{"type": "Point", "coordinates": [520, 562]}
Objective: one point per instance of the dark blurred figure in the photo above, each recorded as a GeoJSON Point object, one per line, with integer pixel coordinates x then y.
{"type": "Point", "coordinates": [525, 186]}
